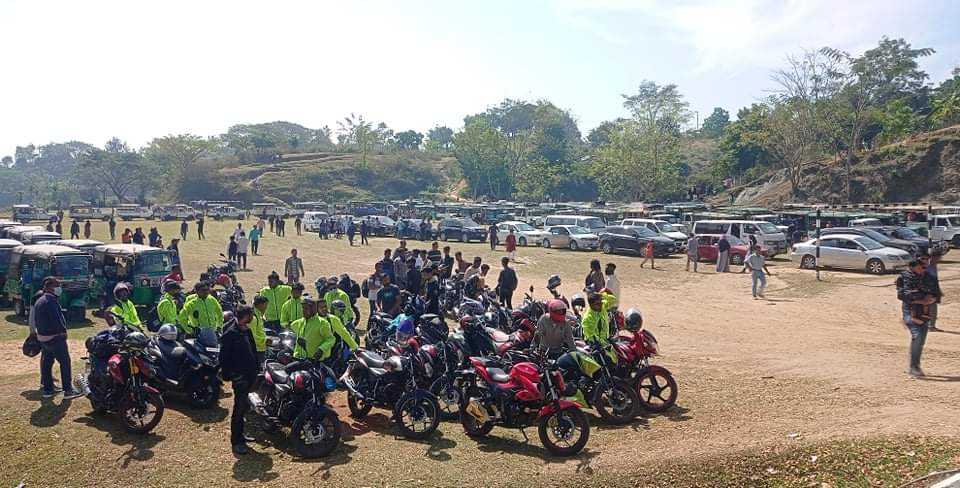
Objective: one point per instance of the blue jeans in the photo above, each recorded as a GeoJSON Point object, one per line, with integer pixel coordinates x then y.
{"type": "Point", "coordinates": [918, 337]}
{"type": "Point", "coordinates": [758, 277]}
{"type": "Point", "coordinates": [50, 351]}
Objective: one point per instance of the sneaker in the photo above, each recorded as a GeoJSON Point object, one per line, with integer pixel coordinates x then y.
{"type": "Point", "coordinates": [67, 395]}
{"type": "Point", "coordinates": [48, 393]}
{"type": "Point", "coordinates": [915, 373]}
{"type": "Point", "coordinates": [241, 449]}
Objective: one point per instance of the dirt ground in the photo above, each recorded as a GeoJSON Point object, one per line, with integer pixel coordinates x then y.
{"type": "Point", "coordinates": [814, 363]}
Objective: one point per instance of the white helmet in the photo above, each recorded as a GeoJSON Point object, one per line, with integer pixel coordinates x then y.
{"type": "Point", "coordinates": [167, 332]}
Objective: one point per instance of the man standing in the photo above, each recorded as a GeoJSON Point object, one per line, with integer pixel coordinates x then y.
{"type": "Point", "coordinates": [723, 255]}
{"type": "Point", "coordinates": [594, 280]}
{"type": "Point", "coordinates": [414, 280]}
{"type": "Point", "coordinates": [613, 282]}
{"type": "Point", "coordinates": [255, 239]}
{"type": "Point", "coordinates": [693, 252]}
{"type": "Point", "coordinates": [506, 282]}
{"type": "Point", "coordinates": [388, 298]}
{"type": "Point", "coordinates": [757, 266]}
{"type": "Point", "coordinates": [184, 227]}
{"type": "Point", "coordinates": [433, 255]}
{"type": "Point", "coordinates": [201, 311]}
{"type": "Point", "coordinates": [293, 268]}
{"type": "Point", "coordinates": [371, 286]}
{"type": "Point", "coordinates": [87, 229]}
{"type": "Point", "coordinates": [332, 292]}
{"type": "Point", "coordinates": [58, 228]}
{"type": "Point", "coordinates": [112, 225]}
{"type": "Point", "coordinates": [200, 227]}
{"type": "Point", "coordinates": [238, 364]}
{"type": "Point", "coordinates": [431, 289]}
{"type": "Point", "coordinates": [913, 299]}
{"type": "Point", "coordinates": [492, 236]}
{"type": "Point", "coordinates": [298, 224]}
{"type": "Point", "coordinates": [168, 310]}
{"type": "Point", "coordinates": [363, 233]}
{"type": "Point", "coordinates": [277, 294]}
{"type": "Point", "coordinates": [351, 231]}
{"type": "Point", "coordinates": [75, 230]}
{"type": "Point", "coordinates": [931, 286]}
{"type": "Point", "coordinates": [511, 245]}
{"type": "Point", "coordinates": [242, 244]}
{"type": "Point", "coordinates": [292, 309]}
{"type": "Point", "coordinates": [446, 264]}
{"type": "Point", "coordinates": [51, 332]}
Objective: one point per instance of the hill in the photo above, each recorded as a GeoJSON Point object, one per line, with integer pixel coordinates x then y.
{"type": "Point", "coordinates": [925, 167]}
{"type": "Point", "coordinates": [332, 176]}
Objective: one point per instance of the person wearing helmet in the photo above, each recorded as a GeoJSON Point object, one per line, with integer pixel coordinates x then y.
{"type": "Point", "coordinates": [338, 309]}
{"type": "Point", "coordinates": [553, 334]}
{"type": "Point", "coordinates": [224, 280]}
{"type": "Point", "coordinates": [596, 322]}
{"type": "Point", "coordinates": [168, 308]}
{"type": "Point", "coordinates": [311, 330]}
{"type": "Point", "coordinates": [333, 293]}
{"type": "Point", "coordinates": [633, 320]}
{"type": "Point", "coordinates": [167, 332]}
{"type": "Point", "coordinates": [337, 325]}
{"type": "Point", "coordinates": [203, 310]}
{"type": "Point", "coordinates": [292, 309]}
{"type": "Point", "coordinates": [258, 327]}
{"type": "Point", "coordinates": [405, 329]}
{"type": "Point", "coordinates": [277, 294]}
{"type": "Point", "coordinates": [124, 307]}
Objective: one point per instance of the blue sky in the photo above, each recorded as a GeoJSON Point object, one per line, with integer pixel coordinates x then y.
{"type": "Point", "coordinates": [95, 69]}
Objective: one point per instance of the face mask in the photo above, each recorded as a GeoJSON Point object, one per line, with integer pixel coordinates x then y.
{"type": "Point", "coordinates": [58, 291]}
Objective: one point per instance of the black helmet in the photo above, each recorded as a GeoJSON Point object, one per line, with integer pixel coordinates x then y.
{"type": "Point", "coordinates": [338, 305]}
{"type": "Point", "coordinates": [633, 320]}
{"type": "Point", "coordinates": [171, 286]}
{"type": "Point", "coordinates": [123, 286]}
{"type": "Point", "coordinates": [137, 340]}
{"type": "Point", "coordinates": [553, 282]}
{"type": "Point", "coordinates": [578, 301]}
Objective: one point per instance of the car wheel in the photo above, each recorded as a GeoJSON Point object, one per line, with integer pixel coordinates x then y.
{"type": "Point", "coordinates": [606, 248]}
{"type": "Point", "coordinates": [573, 245]}
{"type": "Point", "coordinates": [808, 261]}
{"type": "Point", "coordinates": [522, 241]}
{"type": "Point", "coordinates": [546, 243]}
{"type": "Point", "coordinates": [875, 266]}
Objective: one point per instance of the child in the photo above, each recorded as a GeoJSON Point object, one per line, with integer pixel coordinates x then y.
{"type": "Point", "coordinates": [648, 255]}
{"type": "Point", "coordinates": [232, 250]}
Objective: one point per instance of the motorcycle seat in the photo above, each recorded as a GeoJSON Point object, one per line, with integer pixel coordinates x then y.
{"type": "Point", "coordinates": [371, 359]}
{"type": "Point", "coordinates": [498, 375]}
{"type": "Point", "coordinates": [277, 374]}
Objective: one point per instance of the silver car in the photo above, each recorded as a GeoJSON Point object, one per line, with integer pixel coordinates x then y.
{"type": "Point", "coordinates": [849, 251]}
{"type": "Point", "coordinates": [573, 237]}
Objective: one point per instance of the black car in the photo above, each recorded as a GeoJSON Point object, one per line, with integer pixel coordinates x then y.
{"type": "Point", "coordinates": [461, 229]}
{"type": "Point", "coordinates": [634, 240]}
{"type": "Point", "coordinates": [880, 237]}
{"type": "Point", "coordinates": [414, 229]}
{"type": "Point", "coordinates": [908, 234]}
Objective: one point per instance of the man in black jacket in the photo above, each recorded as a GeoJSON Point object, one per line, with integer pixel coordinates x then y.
{"type": "Point", "coordinates": [238, 364]}
{"type": "Point", "coordinates": [506, 283]}
{"type": "Point", "coordinates": [910, 292]}
{"type": "Point", "coordinates": [51, 331]}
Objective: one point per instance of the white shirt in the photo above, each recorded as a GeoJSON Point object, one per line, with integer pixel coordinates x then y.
{"type": "Point", "coordinates": [613, 283]}
{"type": "Point", "coordinates": [242, 245]}
{"type": "Point", "coordinates": [236, 233]}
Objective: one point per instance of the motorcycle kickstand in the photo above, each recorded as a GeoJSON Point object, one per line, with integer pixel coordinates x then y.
{"type": "Point", "coordinates": [525, 438]}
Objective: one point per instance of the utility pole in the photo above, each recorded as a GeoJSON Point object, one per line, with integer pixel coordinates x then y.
{"type": "Point", "coordinates": [930, 230]}
{"type": "Point", "coordinates": [818, 245]}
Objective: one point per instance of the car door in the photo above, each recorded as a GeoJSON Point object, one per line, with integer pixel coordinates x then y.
{"type": "Point", "coordinates": [830, 252]}
{"type": "Point", "coordinates": [502, 231]}
{"type": "Point", "coordinates": [707, 247]}
{"type": "Point", "coordinates": [851, 256]}
{"type": "Point", "coordinates": [559, 237]}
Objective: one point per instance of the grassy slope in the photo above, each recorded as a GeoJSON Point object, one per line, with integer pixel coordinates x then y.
{"type": "Point", "coordinates": [343, 176]}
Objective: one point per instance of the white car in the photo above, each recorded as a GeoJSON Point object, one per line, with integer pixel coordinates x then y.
{"type": "Point", "coordinates": [525, 233]}
{"type": "Point", "coordinates": [661, 228]}
{"type": "Point", "coordinates": [226, 212]}
{"type": "Point", "coordinates": [130, 212]}
{"type": "Point", "coordinates": [573, 237]}
{"type": "Point", "coordinates": [849, 251]}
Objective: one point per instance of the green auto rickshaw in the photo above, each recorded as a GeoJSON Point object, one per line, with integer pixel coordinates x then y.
{"type": "Point", "coordinates": [6, 249]}
{"type": "Point", "coordinates": [144, 267]}
{"type": "Point", "coordinates": [31, 264]}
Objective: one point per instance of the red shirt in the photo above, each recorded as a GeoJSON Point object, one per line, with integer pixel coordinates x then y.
{"type": "Point", "coordinates": [650, 248]}
{"type": "Point", "coordinates": [511, 243]}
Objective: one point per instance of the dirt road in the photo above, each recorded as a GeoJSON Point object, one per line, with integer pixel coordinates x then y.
{"type": "Point", "coordinates": [814, 362]}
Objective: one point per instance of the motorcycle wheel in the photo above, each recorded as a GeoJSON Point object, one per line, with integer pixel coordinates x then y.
{"type": "Point", "coordinates": [417, 416]}
{"type": "Point", "coordinates": [358, 408]}
{"type": "Point", "coordinates": [133, 416]}
{"type": "Point", "coordinates": [616, 402]}
{"type": "Point", "coordinates": [657, 390]}
{"type": "Point", "coordinates": [205, 395]}
{"type": "Point", "coordinates": [313, 437]}
{"type": "Point", "coordinates": [448, 397]}
{"type": "Point", "coordinates": [471, 426]}
{"type": "Point", "coordinates": [564, 432]}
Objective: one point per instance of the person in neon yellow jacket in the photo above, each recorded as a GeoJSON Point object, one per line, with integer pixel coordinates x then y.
{"type": "Point", "coordinates": [277, 294]}
{"type": "Point", "coordinates": [596, 321]}
{"type": "Point", "coordinates": [257, 327]}
{"type": "Point", "coordinates": [168, 310]}
{"type": "Point", "coordinates": [292, 309]}
{"type": "Point", "coordinates": [318, 332]}
{"type": "Point", "coordinates": [337, 325]}
{"type": "Point", "coordinates": [124, 307]}
{"type": "Point", "coordinates": [333, 293]}
{"type": "Point", "coordinates": [203, 310]}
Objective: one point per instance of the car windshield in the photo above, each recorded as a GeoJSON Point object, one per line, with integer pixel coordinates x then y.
{"type": "Point", "coordinates": [877, 236]}
{"type": "Point", "coordinates": [954, 221]}
{"type": "Point", "coordinates": [868, 243]}
{"type": "Point", "coordinates": [665, 227]}
{"type": "Point", "coordinates": [386, 220]}
{"type": "Point", "coordinates": [71, 265]}
{"type": "Point", "coordinates": [767, 228]}
{"type": "Point", "coordinates": [151, 263]}
{"type": "Point", "coordinates": [522, 227]}
{"type": "Point", "coordinates": [908, 233]}
{"type": "Point", "coordinates": [594, 223]}
{"type": "Point", "coordinates": [576, 229]}
{"type": "Point", "coordinates": [644, 232]}
{"type": "Point", "coordinates": [470, 223]}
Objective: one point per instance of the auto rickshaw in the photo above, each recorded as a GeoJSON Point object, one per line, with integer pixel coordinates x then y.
{"type": "Point", "coordinates": [6, 249]}
{"type": "Point", "coordinates": [31, 264]}
{"type": "Point", "coordinates": [86, 245]}
{"type": "Point", "coordinates": [144, 267]}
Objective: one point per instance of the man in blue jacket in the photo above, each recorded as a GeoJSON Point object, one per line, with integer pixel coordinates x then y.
{"type": "Point", "coordinates": [51, 331]}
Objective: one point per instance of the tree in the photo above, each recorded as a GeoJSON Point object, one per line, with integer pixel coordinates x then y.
{"type": "Point", "coordinates": [6, 162]}
{"type": "Point", "coordinates": [177, 154]}
{"type": "Point", "coordinates": [945, 106]}
{"type": "Point", "coordinates": [791, 139]}
{"type": "Point", "coordinates": [600, 134]}
{"type": "Point", "coordinates": [482, 155]}
{"type": "Point", "coordinates": [357, 133]}
{"type": "Point", "coordinates": [115, 168]}
{"type": "Point", "coordinates": [408, 140]}
{"type": "Point", "coordinates": [743, 144]}
{"type": "Point", "coordinates": [714, 124]}
{"type": "Point", "coordinates": [440, 138]}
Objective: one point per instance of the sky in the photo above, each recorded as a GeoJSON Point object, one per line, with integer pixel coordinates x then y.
{"type": "Point", "coordinates": [91, 70]}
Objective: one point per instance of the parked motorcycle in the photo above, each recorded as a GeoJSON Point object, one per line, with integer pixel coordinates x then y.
{"type": "Point", "coordinates": [299, 398]}
{"type": "Point", "coordinates": [590, 370]}
{"type": "Point", "coordinates": [529, 394]}
{"type": "Point", "coordinates": [655, 385]}
{"type": "Point", "coordinates": [117, 377]}
{"type": "Point", "coordinates": [189, 366]}
{"type": "Point", "coordinates": [398, 383]}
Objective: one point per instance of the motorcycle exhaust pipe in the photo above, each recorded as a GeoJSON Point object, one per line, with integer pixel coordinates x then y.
{"type": "Point", "coordinates": [257, 403]}
{"type": "Point", "coordinates": [348, 382]}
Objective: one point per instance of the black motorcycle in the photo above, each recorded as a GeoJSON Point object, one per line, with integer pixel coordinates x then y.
{"type": "Point", "coordinates": [230, 298]}
{"type": "Point", "coordinates": [117, 375]}
{"type": "Point", "coordinates": [280, 346]}
{"type": "Point", "coordinates": [299, 398]}
{"type": "Point", "coordinates": [398, 383]}
{"type": "Point", "coordinates": [189, 367]}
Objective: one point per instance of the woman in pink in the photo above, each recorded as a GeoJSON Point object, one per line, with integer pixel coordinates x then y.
{"type": "Point", "coordinates": [511, 244]}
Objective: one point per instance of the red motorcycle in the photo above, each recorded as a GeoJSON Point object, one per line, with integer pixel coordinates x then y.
{"type": "Point", "coordinates": [528, 395]}
{"type": "Point", "coordinates": [654, 384]}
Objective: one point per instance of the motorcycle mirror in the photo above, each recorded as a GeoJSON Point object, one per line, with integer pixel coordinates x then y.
{"type": "Point", "coordinates": [531, 288]}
